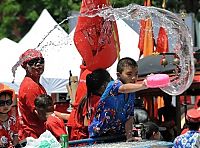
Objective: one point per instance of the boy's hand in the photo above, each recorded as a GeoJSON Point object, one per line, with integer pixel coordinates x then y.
{"type": "Point", "coordinates": [145, 83]}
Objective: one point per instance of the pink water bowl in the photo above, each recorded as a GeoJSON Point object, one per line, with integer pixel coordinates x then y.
{"type": "Point", "coordinates": [158, 80]}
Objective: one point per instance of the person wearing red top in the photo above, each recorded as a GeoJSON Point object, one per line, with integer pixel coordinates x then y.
{"type": "Point", "coordinates": [45, 111]}
{"type": "Point", "coordinates": [96, 83]}
{"type": "Point", "coordinates": [30, 125]}
{"type": "Point", "coordinates": [8, 122]}
{"type": "Point", "coordinates": [80, 93]}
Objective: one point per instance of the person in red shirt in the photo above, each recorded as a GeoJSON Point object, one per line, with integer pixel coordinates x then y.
{"type": "Point", "coordinates": [45, 111]}
{"type": "Point", "coordinates": [96, 83]}
{"type": "Point", "coordinates": [8, 122]}
{"type": "Point", "coordinates": [80, 93]}
{"type": "Point", "coordinates": [30, 125]}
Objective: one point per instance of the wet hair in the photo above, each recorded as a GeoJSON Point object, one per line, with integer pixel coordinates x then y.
{"type": "Point", "coordinates": [43, 101]}
{"type": "Point", "coordinates": [125, 62]}
{"type": "Point", "coordinates": [94, 81]}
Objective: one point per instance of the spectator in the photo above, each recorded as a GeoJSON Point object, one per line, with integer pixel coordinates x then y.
{"type": "Point", "coordinates": [45, 111]}
{"type": "Point", "coordinates": [191, 139]}
{"type": "Point", "coordinates": [8, 122]}
{"type": "Point", "coordinates": [31, 126]}
{"type": "Point", "coordinates": [185, 127]}
{"type": "Point", "coordinates": [115, 110]}
{"type": "Point", "coordinates": [81, 92]}
{"type": "Point", "coordinates": [168, 113]}
{"type": "Point", "coordinates": [96, 83]}
{"type": "Point", "coordinates": [152, 131]}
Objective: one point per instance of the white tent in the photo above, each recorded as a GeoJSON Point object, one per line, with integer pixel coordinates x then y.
{"type": "Point", "coordinates": [9, 54]}
{"type": "Point", "coordinates": [59, 52]}
{"type": "Point", "coordinates": [128, 39]}
{"type": "Point", "coordinates": [60, 55]}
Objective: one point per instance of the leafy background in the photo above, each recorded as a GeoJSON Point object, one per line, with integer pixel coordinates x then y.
{"type": "Point", "coordinates": [17, 16]}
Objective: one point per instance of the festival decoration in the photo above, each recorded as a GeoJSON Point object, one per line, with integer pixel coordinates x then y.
{"type": "Point", "coordinates": [146, 40]}
{"type": "Point", "coordinates": [162, 41]}
{"type": "Point", "coordinates": [96, 38]}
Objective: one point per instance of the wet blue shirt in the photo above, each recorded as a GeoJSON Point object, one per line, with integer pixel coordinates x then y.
{"type": "Point", "coordinates": [112, 112]}
{"type": "Point", "coordinates": [190, 139]}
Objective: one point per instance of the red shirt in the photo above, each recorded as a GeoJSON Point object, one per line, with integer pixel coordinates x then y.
{"type": "Point", "coordinates": [56, 126]}
{"type": "Point", "coordinates": [78, 130]}
{"type": "Point", "coordinates": [80, 93]}
{"type": "Point", "coordinates": [7, 129]}
{"type": "Point", "coordinates": [32, 126]}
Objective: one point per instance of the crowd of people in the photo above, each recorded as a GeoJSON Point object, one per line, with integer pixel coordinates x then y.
{"type": "Point", "coordinates": [103, 107]}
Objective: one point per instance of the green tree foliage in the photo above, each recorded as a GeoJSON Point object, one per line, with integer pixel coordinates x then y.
{"type": "Point", "coordinates": [123, 3]}
{"type": "Point", "coordinates": [18, 16]}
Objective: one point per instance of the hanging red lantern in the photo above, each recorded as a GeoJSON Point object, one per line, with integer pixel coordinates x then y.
{"type": "Point", "coordinates": [96, 38]}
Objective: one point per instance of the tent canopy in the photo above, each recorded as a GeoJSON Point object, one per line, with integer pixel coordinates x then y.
{"type": "Point", "coordinates": [59, 52]}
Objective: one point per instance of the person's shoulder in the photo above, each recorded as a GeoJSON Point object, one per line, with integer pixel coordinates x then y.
{"type": "Point", "coordinates": [54, 118]}
{"type": "Point", "coordinates": [26, 83]}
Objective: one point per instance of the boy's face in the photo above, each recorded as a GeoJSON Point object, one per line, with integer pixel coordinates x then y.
{"type": "Point", "coordinates": [128, 75]}
{"type": "Point", "coordinates": [43, 113]}
{"type": "Point", "coordinates": [5, 103]}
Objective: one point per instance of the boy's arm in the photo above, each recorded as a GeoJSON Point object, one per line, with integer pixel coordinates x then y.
{"type": "Point", "coordinates": [131, 87]}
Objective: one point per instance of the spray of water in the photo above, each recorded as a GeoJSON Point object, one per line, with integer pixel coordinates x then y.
{"type": "Point", "coordinates": [180, 40]}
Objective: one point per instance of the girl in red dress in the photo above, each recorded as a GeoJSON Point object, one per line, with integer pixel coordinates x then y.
{"type": "Point", "coordinates": [96, 83]}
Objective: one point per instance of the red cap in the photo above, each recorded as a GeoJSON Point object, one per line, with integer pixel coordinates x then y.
{"type": "Point", "coordinates": [5, 88]}
{"type": "Point", "coordinates": [29, 55]}
{"type": "Point", "coordinates": [193, 115]}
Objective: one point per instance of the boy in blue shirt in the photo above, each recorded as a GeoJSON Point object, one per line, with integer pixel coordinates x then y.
{"type": "Point", "coordinates": [115, 111]}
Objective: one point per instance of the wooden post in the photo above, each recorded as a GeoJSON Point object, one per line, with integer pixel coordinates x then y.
{"type": "Point", "coordinates": [72, 88]}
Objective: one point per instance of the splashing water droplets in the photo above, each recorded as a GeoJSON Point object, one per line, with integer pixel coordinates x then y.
{"type": "Point", "coordinates": [180, 40]}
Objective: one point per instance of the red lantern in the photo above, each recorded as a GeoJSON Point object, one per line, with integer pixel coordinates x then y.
{"type": "Point", "coordinates": [95, 38]}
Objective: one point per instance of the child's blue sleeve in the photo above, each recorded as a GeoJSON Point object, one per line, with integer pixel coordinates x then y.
{"type": "Point", "coordinates": [115, 87]}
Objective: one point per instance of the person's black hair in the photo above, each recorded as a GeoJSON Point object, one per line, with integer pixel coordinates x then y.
{"type": "Point", "coordinates": [43, 101]}
{"type": "Point", "coordinates": [126, 62]}
{"type": "Point", "coordinates": [150, 128]}
{"type": "Point", "coordinates": [94, 81]}
{"type": "Point", "coordinates": [193, 125]}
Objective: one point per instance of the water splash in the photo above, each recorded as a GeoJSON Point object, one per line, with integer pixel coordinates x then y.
{"type": "Point", "coordinates": [180, 40]}
{"type": "Point", "coordinates": [179, 37]}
